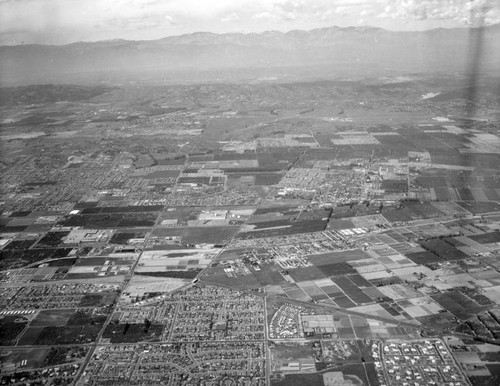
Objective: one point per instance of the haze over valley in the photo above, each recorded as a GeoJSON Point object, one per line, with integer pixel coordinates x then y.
{"type": "Point", "coordinates": [327, 53]}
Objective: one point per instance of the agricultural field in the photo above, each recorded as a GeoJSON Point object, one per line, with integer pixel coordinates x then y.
{"type": "Point", "coordinates": [263, 232]}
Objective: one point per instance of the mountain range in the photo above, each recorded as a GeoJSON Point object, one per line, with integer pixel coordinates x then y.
{"type": "Point", "coordinates": [325, 52]}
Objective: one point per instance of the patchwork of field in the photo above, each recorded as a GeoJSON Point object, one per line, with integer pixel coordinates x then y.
{"type": "Point", "coordinates": [211, 228]}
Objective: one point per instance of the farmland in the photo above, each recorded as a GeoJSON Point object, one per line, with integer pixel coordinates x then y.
{"type": "Point", "coordinates": [281, 233]}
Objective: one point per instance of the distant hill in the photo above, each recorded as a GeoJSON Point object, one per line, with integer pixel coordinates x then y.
{"type": "Point", "coordinates": [48, 93]}
{"type": "Point", "coordinates": [332, 51]}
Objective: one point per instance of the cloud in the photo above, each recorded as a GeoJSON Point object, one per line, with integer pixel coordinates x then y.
{"type": "Point", "coordinates": [467, 12]}
{"type": "Point", "coordinates": [230, 18]}
{"type": "Point", "coordinates": [60, 21]}
{"type": "Point", "coordinates": [265, 16]}
{"type": "Point", "coordinates": [318, 10]}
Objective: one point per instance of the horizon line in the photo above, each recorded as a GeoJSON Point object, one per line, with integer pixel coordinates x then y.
{"type": "Point", "coordinates": [250, 33]}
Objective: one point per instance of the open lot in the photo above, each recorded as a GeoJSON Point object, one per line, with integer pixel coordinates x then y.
{"type": "Point", "coordinates": [10, 328]}
{"type": "Point", "coordinates": [200, 235]}
{"type": "Point", "coordinates": [51, 318]}
{"type": "Point", "coordinates": [111, 220]}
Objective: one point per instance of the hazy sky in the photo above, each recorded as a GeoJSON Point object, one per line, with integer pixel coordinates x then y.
{"type": "Point", "coordinates": [66, 21]}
